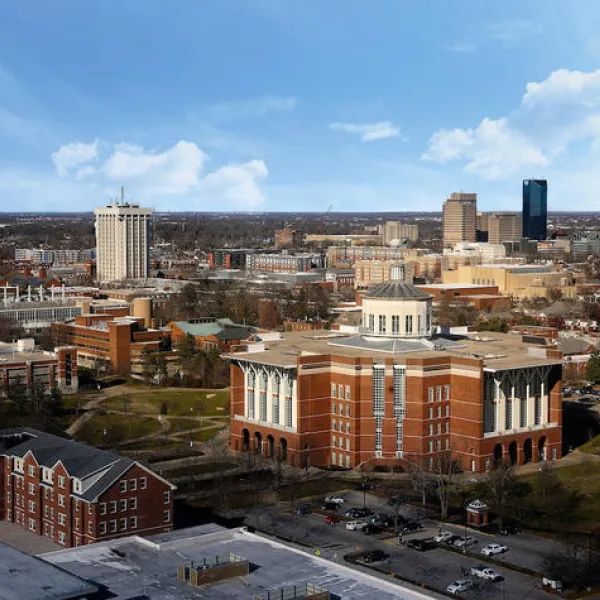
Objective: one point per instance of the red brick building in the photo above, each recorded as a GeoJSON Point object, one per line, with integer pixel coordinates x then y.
{"type": "Point", "coordinates": [75, 494]}
{"type": "Point", "coordinates": [397, 393]}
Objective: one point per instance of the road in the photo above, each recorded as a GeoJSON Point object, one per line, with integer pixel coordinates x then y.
{"type": "Point", "coordinates": [437, 568]}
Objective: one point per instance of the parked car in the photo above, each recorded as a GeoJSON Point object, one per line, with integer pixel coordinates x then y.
{"type": "Point", "coordinates": [458, 586]}
{"type": "Point", "coordinates": [485, 572]}
{"type": "Point", "coordinates": [329, 506]}
{"type": "Point", "coordinates": [493, 549]}
{"type": "Point", "coordinates": [465, 542]}
{"type": "Point", "coordinates": [421, 545]}
{"type": "Point", "coordinates": [333, 499]}
{"type": "Point", "coordinates": [352, 513]}
{"type": "Point", "coordinates": [331, 519]}
{"type": "Point", "coordinates": [443, 536]}
{"type": "Point", "coordinates": [370, 529]}
{"type": "Point", "coordinates": [380, 519]}
{"type": "Point", "coordinates": [303, 510]}
{"type": "Point", "coordinates": [374, 556]}
{"type": "Point", "coordinates": [410, 526]}
{"type": "Point", "coordinates": [510, 529]}
{"type": "Point", "coordinates": [356, 525]}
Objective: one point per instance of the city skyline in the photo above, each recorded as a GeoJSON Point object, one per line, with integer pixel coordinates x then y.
{"type": "Point", "coordinates": [266, 107]}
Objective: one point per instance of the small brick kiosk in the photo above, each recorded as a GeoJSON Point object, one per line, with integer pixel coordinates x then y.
{"type": "Point", "coordinates": [478, 514]}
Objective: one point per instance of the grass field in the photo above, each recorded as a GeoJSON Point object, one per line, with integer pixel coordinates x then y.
{"type": "Point", "coordinates": [111, 429]}
{"type": "Point", "coordinates": [201, 469]}
{"type": "Point", "coordinates": [591, 447]}
{"type": "Point", "coordinates": [584, 479]}
{"type": "Point", "coordinates": [204, 435]}
{"type": "Point", "coordinates": [177, 402]}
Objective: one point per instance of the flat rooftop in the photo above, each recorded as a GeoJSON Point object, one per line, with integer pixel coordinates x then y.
{"type": "Point", "coordinates": [147, 567]}
{"type": "Point", "coordinates": [498, 350]}
{"type": "Point", "coordinates": [26, 577]}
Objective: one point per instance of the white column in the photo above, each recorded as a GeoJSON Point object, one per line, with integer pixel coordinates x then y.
{"type": "Point", "coordinates": [544, 400]}
{"type": "Point", "coordinates": [500, 407]}
{"type": "Point", "coordinates": [245, 370]}
{"type": "Point", "coordinates": [294, 404]}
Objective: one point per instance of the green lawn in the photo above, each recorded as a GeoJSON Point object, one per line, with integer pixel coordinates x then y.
{"type": "Point", "coordinates": [177, 402]}
{"type": "Point", "coordinates": [180, 424]}
{"type": "Point", "coordinates": [583, 479]}
{"type": "Point", "coordinates": [205, 435]}
{"type": "Point", "coordinates": [111, 429]}
{"type": "Point", "coordinates": [591, 447]}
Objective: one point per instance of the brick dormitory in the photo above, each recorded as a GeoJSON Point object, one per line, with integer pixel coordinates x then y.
{"type": "Point", "coordinates": [75, 494]}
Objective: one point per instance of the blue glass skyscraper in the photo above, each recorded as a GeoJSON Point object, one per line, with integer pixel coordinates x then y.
{"type": "Point", "coordinates": [535, 208]}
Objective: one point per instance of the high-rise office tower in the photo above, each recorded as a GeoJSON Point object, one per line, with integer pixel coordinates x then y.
{"type": "Point", "coordinates": [460, 218]}
{"type": "Point", "coordinates": [122, 238]}
{"type": "Point", "coordinates": [535, 209]}
{"type": "Point", "coordinates": [503, 227]}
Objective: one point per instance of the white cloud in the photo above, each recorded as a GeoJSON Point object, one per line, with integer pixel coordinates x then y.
{"type": "Point", "coordinates": [564, 87]}
{"type": "Point", "coordinates": [369, 132]}
{"type": "Point", "coordinates": [552, 120]}
{"type": "Point", "coordinates": [236, 185]}
{"type": "Point", "coordinates": [492, 150]}
{"type": "Point", "coordinates": [172, 172]}
{"type": "Point", "coordinates": [72, 155]}
{"type": "Point", "coordinates": [177, 172]}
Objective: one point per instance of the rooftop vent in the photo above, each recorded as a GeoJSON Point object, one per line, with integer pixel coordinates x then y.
{"type": "Point", "coordinates": [213, 569]}
{"type": "Point", "coordinates": [306, 591]}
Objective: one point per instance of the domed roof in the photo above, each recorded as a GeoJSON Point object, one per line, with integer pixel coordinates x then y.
{"type": "Point", "coordinates": [397, 290]}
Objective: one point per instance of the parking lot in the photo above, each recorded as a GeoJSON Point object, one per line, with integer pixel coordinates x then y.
{"type": "Point", "coordinates": [436, 568]}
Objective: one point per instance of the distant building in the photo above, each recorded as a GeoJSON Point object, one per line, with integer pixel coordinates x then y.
{"type": "Point", "coordinates": [396, 230]}
{"type": "Point", "coordinates": [109, 343]}
{"type": "Point", "coordinates": [288, 238]}
{"type": "Point", "coordinates": [39, 256]}
{"type": "Point", "coordinates": [75, 494]}
{"type": "Point", "coordinates": [352, 239]}
{"type": "Point", "coordinates": [122, 240]}
{"type": "Point", "coordinates": [519, 281]}
{"type": "Point", "coordinates": [584, 244]}
{"type": "Point", "coordinates": [285, 263]}
{"type": "Point", "coordinates": [535, 209]}
{"type": "Point", "coordinates": [482, 250]}
{"type": "Point", "coordinates": [208, 333]}
{"type": "Point", "coordinates": [228, 258]}
{"type": "Point", "coordinates": [460, 218]}
{"type": "Point", "coordinates": [24, 365]}
{"type": "Point", "coordinates": [504, 226]}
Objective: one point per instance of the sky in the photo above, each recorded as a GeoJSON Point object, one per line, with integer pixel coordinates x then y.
{"type": "Point", "coordinates": [298, 105]}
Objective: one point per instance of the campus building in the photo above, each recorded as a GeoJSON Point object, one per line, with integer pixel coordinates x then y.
{"type": "Point", "coordinates": [396, 392]}
{"type": "Point", "coordinates": [27, 369]}
{"type": "Point", "coordinates": [109, 343]}
{"type": "Point", "coordinates": [75, 494]}
{"type": "Point", "coordinates": [122, 241]}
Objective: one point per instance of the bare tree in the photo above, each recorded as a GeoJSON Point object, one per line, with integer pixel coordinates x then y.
{"type": "Point", "coordinates": [499, 484]}
{"type": "Point", "coordinates": [436, 474]}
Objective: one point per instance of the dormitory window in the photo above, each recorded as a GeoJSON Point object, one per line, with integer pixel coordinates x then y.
{"type": "Point", "coordinates": [395, 324]}
{"type": "Point", "coordinates": [334, 425]}
{"type": "Point", "coordinates": [263, 396]}
{"type": "Point", "coordinates": [276, 386]}
{"type": "Point", "coordinates": [347, 392]}
{"type": "Point", "coordinates": [381, 323]}
{"type": "Point", "coordinates": [333, 391]}
{"type": "Point", "coordinates": [430, 394]}
{"type": "Point", "coordinates": [288, 412]}
{"type": "Point", "coordinates": [409, 324]}
{"type": "Point", "coordinates": [333, 408]}
{"type": "Point", "coordinates": [438, 394]}
{"type": "Point", "coordinates": [143, 482]}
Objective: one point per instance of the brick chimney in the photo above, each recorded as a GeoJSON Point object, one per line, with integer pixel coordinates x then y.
{"type": "Point", "coordinates": [42, 274]}
{"type": "Point", "coordinates": [27, 272]}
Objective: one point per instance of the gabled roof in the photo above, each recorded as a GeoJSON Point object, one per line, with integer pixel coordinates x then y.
{"type": "Point", "coordinates": [80, 460]}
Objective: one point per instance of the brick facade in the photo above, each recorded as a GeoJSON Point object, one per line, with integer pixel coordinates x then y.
{"type": "Point", "coordinates": [48, 500]}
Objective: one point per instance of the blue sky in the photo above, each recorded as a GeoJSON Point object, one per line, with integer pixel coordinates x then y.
{"type": "Point", "coordinates": [298, 104]}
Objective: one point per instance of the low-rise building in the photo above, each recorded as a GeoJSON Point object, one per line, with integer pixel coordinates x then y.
{"type": "Point", "coordinates": [482, 297]}
{"type": "Point", "coordinates": [118, 344]}
{"type": "Point", "coordinates": [285, 263]}
{"type": "Point", "coordinates": [518, 281]}
{"type": "Point", "coordinates": [288, 238]}
{"type": "Point", "coordinates": [397, 231]}
{"type": "Point", "coordinates": [222, 334]}
{"type": "Point", "coordinates": [75, 494]}
{"type": "Point", "coordinates": [24, 368]}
